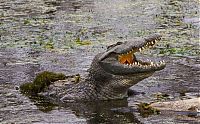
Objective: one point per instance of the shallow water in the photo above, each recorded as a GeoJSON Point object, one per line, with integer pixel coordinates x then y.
{"type": "Point", "coordinates": [65, 35]}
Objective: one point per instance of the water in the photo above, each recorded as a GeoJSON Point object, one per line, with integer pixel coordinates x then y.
{"type": "Point", "coordinates": [45, 35]}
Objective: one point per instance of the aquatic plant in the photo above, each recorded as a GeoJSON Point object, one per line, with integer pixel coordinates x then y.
{"type": "Point", "coordinates": [27, 22]}
{"type": "Point", "coordinates": [145, 110]}
{"type": "Point", "coordinates": [161, 96]}
{"type": "Point", "coordinates": [49, 44]}
{"type": "Point", "coordinates": [78, 41]}
{"type": "Point", "coordinates": [42, 81]}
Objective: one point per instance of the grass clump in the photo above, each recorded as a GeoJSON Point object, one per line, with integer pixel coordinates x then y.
{"type": "Point", "coordinates": [145, 110]}
{"type": "Point", "coordinates": [42, 81]}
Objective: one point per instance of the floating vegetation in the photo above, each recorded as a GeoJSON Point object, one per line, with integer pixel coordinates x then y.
{"type": "Point", "coordinates": [146, 110]}
{"type": "Point", "coordinates": [141, 33]}
{"type": "Point", "coordinates": [177, 51]}
{"type": "Point", "coordinates": [27, 22]}
{"type": "Point", "coordinates": [49, 45]}
{"type": "Point", "coordinates": [161, 96]}
{"type": "Point", "coordinates": [42, 81]}
{"type": "Point", "coordinates": [80, 42]}
{"type": "Point", "coordinates": [182, 36]}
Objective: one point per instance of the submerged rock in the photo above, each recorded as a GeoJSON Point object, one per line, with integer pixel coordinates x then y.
{"type": "Point", "coordinates": [180, 105]}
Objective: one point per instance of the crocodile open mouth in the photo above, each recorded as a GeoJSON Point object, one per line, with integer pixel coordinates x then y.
{"type": "Point", "coordinates": [120, 58]}
{"type": "Point", "coordinates": [130, 59]}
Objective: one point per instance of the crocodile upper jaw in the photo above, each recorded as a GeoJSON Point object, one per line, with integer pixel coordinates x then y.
{"type": "Point", "coordinates": [120, 59]}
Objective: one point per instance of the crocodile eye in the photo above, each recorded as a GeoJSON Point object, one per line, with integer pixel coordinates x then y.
{"type": "Point", "coordinates": [119, 43]}
{"type": "Point", "coordinates": [113, 45]}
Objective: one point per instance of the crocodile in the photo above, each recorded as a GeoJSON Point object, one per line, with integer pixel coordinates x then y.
{"type": "Point", "coordinates": [111, 73]}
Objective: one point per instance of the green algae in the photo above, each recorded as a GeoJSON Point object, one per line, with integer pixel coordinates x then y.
{"type": "Point", "coordinates": [161, 96]}
{"type": "Point", "coordinates": [42, 42]}
{"type": "Point", "coordinates": [145, 110]}
{"type": "Point", "coordinates": [80, 42]}
{"type": "Point", "coordinates": [177, 51]}
{"type": "Point", "coordinates": [27, 22]}
{"type": "Point", "coordinates": [179, 37]}
{"type": "Point", "coordinates": [49, 45]}
{"type": "Point", "coordinates": [42, 81]}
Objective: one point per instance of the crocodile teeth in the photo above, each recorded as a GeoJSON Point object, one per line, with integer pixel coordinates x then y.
{"type": "Point", "coordinates": [140, 49]}
{"type": "Point", "coordinates": [162, 62]}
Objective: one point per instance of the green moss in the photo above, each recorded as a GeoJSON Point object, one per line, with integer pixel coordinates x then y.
{"type": "Point", "coordinates": [27, 87]}
{"type": "Point", "coordinates": [79, 42]}
{"type": "Point", "coordinates": [161, 96]}
{"type": "Point", "coordinates": [181, 35]}
{"type": "Point", "coordinates": [26, 22]}
{"type": "Point", "coordinates": [145, 110]}
{"type": "Point", "coordinates": [42, 81]}
{"type": "Point", "coordinates": [49, 45]}
{"type": "Point", "coordinates": [176, 51]}
{"type": "Point", "coordinates": [141, 33]}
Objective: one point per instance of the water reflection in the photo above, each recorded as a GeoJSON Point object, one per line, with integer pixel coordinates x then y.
{"type": "Point", "coordinates": [112, 112]}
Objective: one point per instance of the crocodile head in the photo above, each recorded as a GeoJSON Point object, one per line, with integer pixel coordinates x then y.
{"type": "Point", "coordinates": [114, 71]}
{"type": "Point", "coordinates": [120, 58]}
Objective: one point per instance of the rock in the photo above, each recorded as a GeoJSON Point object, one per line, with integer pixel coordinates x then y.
{"type": "Point", "coordinates": [179, 105]}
